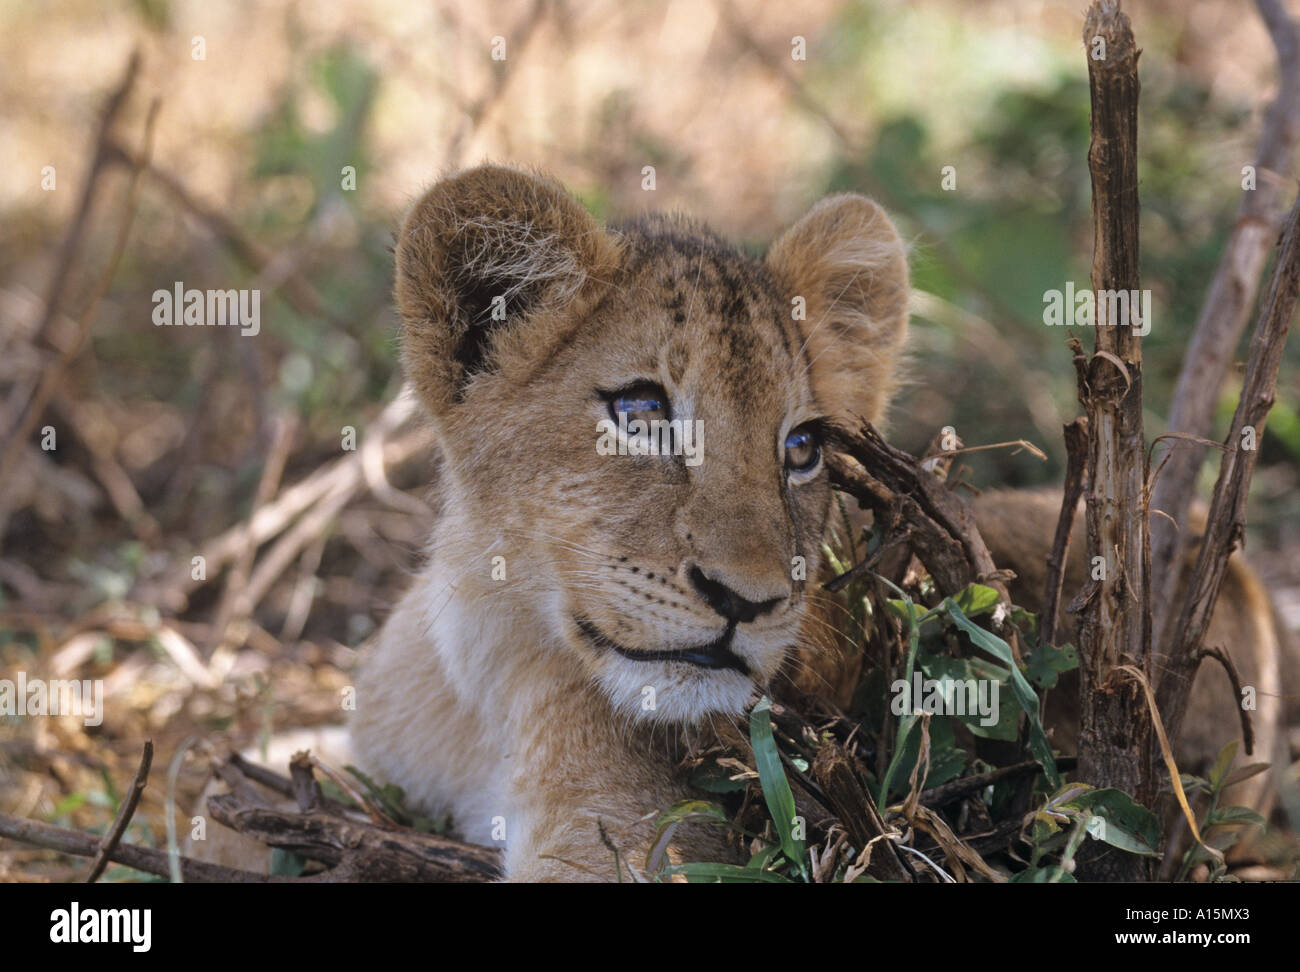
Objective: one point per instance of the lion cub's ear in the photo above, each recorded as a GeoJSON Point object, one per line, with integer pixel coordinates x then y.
{"type": "Point", "coordinates": [482, 254]}
{"type": "Point", "coordinates": [846, 260]}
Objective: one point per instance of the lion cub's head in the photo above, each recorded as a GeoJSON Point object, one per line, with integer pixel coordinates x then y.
{"type": "Point", "coordinates": [632, 418]}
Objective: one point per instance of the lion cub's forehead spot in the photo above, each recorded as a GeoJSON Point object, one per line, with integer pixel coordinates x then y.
{"type": "Point", "coordinates": [715, 318]}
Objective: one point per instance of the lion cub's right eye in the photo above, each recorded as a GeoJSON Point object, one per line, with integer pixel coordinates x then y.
{"type": "Point", "coordinates": [644, 402]}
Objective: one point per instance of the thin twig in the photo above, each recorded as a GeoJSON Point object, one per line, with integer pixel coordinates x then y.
{"type": "Point", "coordinates": [472, 117]}
{"type": "Point", "coordinates": [76, 233]}
{"type": "Point", "coordinates": [1076, 468]}
{"type": "Point", "coordinates": [300, 294]}
{"type": "Point", "coordinates": [306, 790]}
{"type": "Point", "coordinates": [945, 537]}
{"type": "Point", "coordinates": [145, 859]}
{"type": "Point", "coordinates": [939, 796]}
{"type": "Point", "coordinates": [837, 584]}
{"type": "Point", "coordinates": [124, 814]}
{"type": "Point", "coordinates": [1020, 445]}
{"type": "Point", "coordinates": [1224, 659]}
{"type": "Point", "coordinates": [236, 604]}
{"type": "Point", "coordinates": [53, 375]}
{"type": "Point", "coordinates": [372, 809]}
{"type": "Point", "coordinates": [345, 475]}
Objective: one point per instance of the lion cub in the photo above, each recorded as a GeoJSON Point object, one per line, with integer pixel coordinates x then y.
{"type": "Point", "coordinates": [632, 491]}
{"type": "Point", "coordinates": [594, 594]}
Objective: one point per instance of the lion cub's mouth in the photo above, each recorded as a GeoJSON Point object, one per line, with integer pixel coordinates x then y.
{"type": "Point", "coordinates": [717, 654]}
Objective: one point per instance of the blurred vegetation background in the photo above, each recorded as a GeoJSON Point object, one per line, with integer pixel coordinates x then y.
{"type": "Point", "coordinates": [164, 433]}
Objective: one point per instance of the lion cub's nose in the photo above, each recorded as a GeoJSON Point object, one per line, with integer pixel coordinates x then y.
{"type": "Point", "coordinates": [726, 601]}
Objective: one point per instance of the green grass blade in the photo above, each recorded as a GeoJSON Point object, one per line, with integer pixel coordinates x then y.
{"type": "Point", "coordinates": [725, 874]}
{"type": "Point", "coordinates": [776, 788]}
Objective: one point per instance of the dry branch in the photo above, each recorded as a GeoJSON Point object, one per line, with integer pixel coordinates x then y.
{"type": "Point", "coordinates": [367, 853]}
{"type": "Point", "coordinates": [124, 815]}
{"type": "Point", "coordinates": [851, 802]}
{"type": "Point", "coordinates": [1224, 314]}
{"type": "Point", "coordinates": [114, 479]}
{"type": "Point", "coordinates": [1114, 619]}
{"type": "Point", "coordinates": [144, 859]}
{"type": "Point", "coordinates": [474, 114]}
{"type": "Point", "coordinates": [1247, 729]}
{"type": "Point", "coordinates": [1226, 523]}
{"type": "Point", "coordinates": [355, 849]}
{"type": "Point", "coordinates": [1076, 468]}
{"type": "Point", "coordinates": [321, 496]}
{"type": "Point", "coordinates": [942, 795]}
{"type": "Point", "coordinates": [235, 603]}
{"type": "Point", "coordinates": [76, 233]}
{"type": "Point", "coordinates": [15, 442]}
{"type": "Point", "coordinates": [323, 830]}
{"type": "Point", "coordinates": [297, 290]}
{"type": "Point", "coordinates": [944, 537]}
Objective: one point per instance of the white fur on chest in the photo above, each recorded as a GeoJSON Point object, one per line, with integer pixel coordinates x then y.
{"type": "Point", "coordinates": [438, 701]}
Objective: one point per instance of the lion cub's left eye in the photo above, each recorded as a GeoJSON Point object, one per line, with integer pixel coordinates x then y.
{"type": "Point", "coordinates": [802, 450]}
{"type": "Point", "coordinates": [645, 401]}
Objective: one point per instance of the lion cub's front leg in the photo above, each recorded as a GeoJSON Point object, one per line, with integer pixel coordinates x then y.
{"type": "Point", "coordinates": [582, 773]}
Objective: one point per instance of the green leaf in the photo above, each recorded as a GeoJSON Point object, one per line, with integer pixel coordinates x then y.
{"type": "Point", "coordinates": [67, 804]}
{"type": "Point", "coordinates": [905, 726]}
{"type": "Point", "coordinates": [725, 874]}
{"type": "Point", "coordinates": [1044, 665]}
{"type": "Point", "coordinates": [1026, 621]}
{"type": "Point", "coordinates": [392, 798]}
{"type": "Point", "coordinates": [1006, 724]}
{"type": "Point", "coordinates": [1067, 794]}
{"type": "Point", "coordinates": [1119, 820]}
{"type": "Point", "coordinates": [1044, 875]}
{"type": "Point", "coordinates": [1220, 838]}
{"type": "Point", "coordinates": [1221, 764]}
{"type": "Point", "coordinates": [1233, 816]}
{"type": "Point", "coordinates": [686, 809]}
{"type": "Point", "coordinates": [999, 649]}
{"type": "Point", "coordinates": [907, 611]}
{"type": "Point", "coordinates": [671, 819]}
{"type": "Point", "coordinates": [976, 600]}
{"type": "Point", "coordinates": [902, 610]}
{"type": "Point", "coordinates": [947, 760]}
{"type": "Point", "coordinates": [776, 788]}
{"type": "Point", "coordinates": [1245, 773]}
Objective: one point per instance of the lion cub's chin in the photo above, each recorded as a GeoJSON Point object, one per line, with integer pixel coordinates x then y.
{"type": "Point", "coordinates": [675, 693]}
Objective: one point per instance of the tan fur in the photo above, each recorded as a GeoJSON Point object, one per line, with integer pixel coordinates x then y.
{"type": "Point", "coordinates": [484, 696]}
